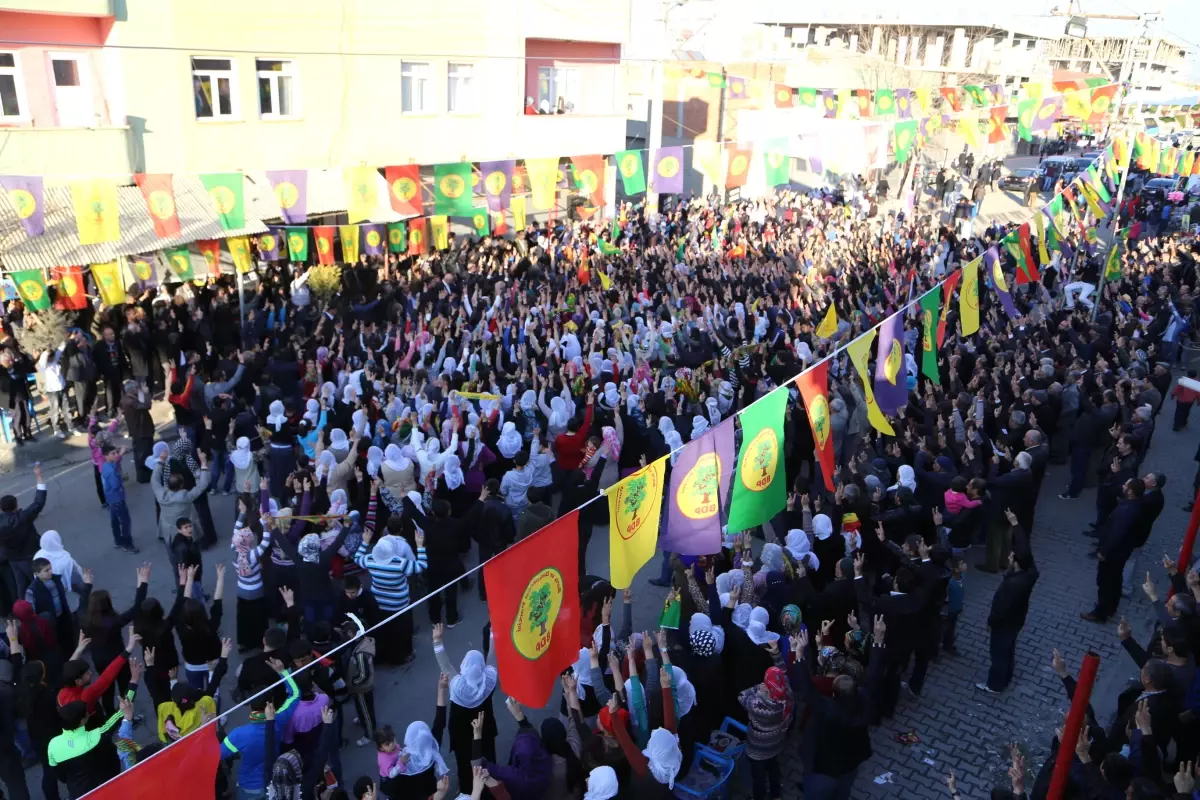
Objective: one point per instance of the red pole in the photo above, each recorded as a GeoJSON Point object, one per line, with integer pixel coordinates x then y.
{"type": "Point", "coordinates": [1079, 704]}
{"type": "Point", "coordinates": [1189, 540]}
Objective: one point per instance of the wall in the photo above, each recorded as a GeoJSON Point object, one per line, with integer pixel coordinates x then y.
{"type": "Point", "coordinates": [598, 65]}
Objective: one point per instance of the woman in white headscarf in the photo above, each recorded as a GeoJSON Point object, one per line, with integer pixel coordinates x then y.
{"type": "Point", "coordinates": [471, 688]}
{"type": "Point", "coordinates": [391, 562]}
{"type": "Point", "coordinates": [602, 784]}
{"type": "Point", "coordinates": [398, 471]}
{"type": "Point", "coordinates": [276, 418]}
{"type": "Point", "coordinates": [359, 423]}
{"type": "Point", "coordinates": [558, 413]}
{"type": "Point", "coordinates": [510, 442]}
{"type": "Point", "coordinates": [374, 459]}
{"type": "Point", "coordinates": [906, 477]}
{"type": "Point", "coordinates": [413, 770]}
{"type": "Point", "coordinates": [670, 436]}
{"type": "Point", "coordinates": [451, 487]}
{"type": "Point", "coordinates": [699, 426]}
{"type": "Point", "coordinates": [339, 475]}
{"type": "Point", "coordinates": [245, 466]}
{"type": "Point", "coordinates": [712, 408]}
{"type": "Point", "coordinates": [800, 548]}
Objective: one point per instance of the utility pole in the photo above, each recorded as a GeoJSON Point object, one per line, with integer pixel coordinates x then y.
{"type": "Point", "coordinates": [657, 74]}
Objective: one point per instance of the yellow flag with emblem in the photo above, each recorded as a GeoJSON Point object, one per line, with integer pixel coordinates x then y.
{"type": "Point", "coordinates": [518, 212]}
{"type": "Point", "coordinates": [108, 281]}
{"type": "Point", "coordinates": [441, 231]}
{"type": "Point", "coordinates": [362, 193]}
{"type": "Point", "coordinates": [543, 181]}
{"type": "Point", "coordinates": [239, 249]}
{"type": "Point", "coordinates": [634, 508]}
{"type": "Point", "coordinates": [860, 352]}
{"type": "Point", "coordinates": [96, 213]}
{"type": "Point", "coordinates": [828, 326]}
{"type": "Point", "coordinates": [968, 298]}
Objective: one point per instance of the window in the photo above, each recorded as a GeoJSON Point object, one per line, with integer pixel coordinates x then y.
{"type": "Point", "coordinates": [72, 98]}
{"type": "Point", "coordinates": [12, 93]}
{"type": "Point", "coordinates": [416, 90]}
{"type": "Point", "coordinates": [461, 89]}
{"type": "Point", "coordinates": [558, 90]}
{"type": "Point", "coordinates": [212, 85]}
{"type": "Point", "coordinates": [276, 88]}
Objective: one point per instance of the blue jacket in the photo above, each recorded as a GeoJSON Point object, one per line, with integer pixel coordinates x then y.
{"type": "Point", "coordinates": [250, 741]}
{"type": "Point", "coordinates": [110, 479]}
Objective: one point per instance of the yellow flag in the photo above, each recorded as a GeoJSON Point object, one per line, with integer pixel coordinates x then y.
{"type": "Point", "coordinates": [1033, 90]}
{"type": "Point", "coordinates": [349, 236]}
{"type": "Point", "coordinates": [860, 351]}
{"type": "Point", "coordinates": [968, 127]}
{"type": "Point", "coordinates": [634, 507]}
{"type": "Point", "coordinates": [605, 281]}
{"type": "Point", "coordinates": [1043, 253]}
{"type": "Point", "coordinates": [968, 298]}
{"type": "Point", "coordinates": [108, 281]}
{"type": "Point", "coordinates": [441, 231]}
{"type": "Point", "coordinates": [362, 192]}
{"type": "Point", "coordinates": [96, 213]}
{"type": "Point", "coordinates": [1093, 201]}
{"type": "Point", "coordinates": [709, 159]}
{"type": "Point", "coordinates": [518, 211]}
{"type": "Point", "coordinates": [543, 181]}
{"type": "Point", "coordinates": [239, 249]}
{"type": "Point", "coordinates": [1079, 103]}
{"type": "Point", "coordinates": [828, 326]}
{"type": "Point", "coordinates": [923, 99]}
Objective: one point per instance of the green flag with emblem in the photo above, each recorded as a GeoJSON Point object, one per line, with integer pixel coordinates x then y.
{"type": "Point", "coordinates": [885, 103]}
{"type": "Point", "coordinates": [482, 223]}
{"type": "Point", "coordinates": [228, 202]}
{"type": "Point", "coordinates": [397, 236]}
{"type": "Point", "coordinates": [180, 262]}
{"type": "Point", "coordinates": [931, 314]}
{"type": "Point", "coordinates": [31, 285]}
{"type": "Point", "coordinates": [777, 161]}
{"type": "Point", "coordinates": [806, 96]}
{"type": "Point", "coordinates": [905, 132]}
{"type": "Point", "coordinates": [633, 175]}
{"type": "Point", "coordinates": [452, 190]}
{"type": "Point", "coordinates": [759, 482]}
{"type": "Point", "coordinates": [297, 244]}
{"type": "Point", "coordinates": [1025, 111]}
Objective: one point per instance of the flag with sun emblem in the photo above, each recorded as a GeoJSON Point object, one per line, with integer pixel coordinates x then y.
{"type": "Point", "coordinates": [634, 508]}
{"type": "Point", "coordinates": [26, 194]}
{"type": "Point", "coordinates": [968, 298]}
{"type": "Point", "coordinates": [700, 478]}
{"type": "Point", "coordinates": [997, 130]}
{"type": "Point", "coordinates": [1048, 113]}
{"type": "Point", "coordinates": [739, 166]}
{"type": "Point", "coordinates": [180, 262]}
{"type": "Point", "coordinates": [97, 216]}
{"type": "Point", "coordinates": [806, 96]}
{"type": "Point", "coordinates": [860, 353]}
{"type": "Point", "coordinates": [891, 368]}
{"type": "Point", "coordinates": [777, 162]}
{"type": "Point", "coordinates": [667, 177]}
{"type": "Point", "coordinates": [362, 193]}
{"type": "Point", "coordinates": [297, 244]}
{"type": "Point", "coordinates": [374, 239]}
{"type": "Point", "coordinates": [397, 233]}
{"type": "Point", "coordinates": [814, 391]}
{"type": "Point", "coordinates": [497, 183]}
{"type": "Point", "coordinates": [1102, 98]}
{"type": "Point", "coordinates": [759, 485]}
{"type": "Point", "coordinates": [349, 236]}
{"type": "Point", "coordinates": [211, 250]}
{"type": "Point", "coordinates": [952, 95]}
{"type": "Point", "coordinates": [994, 264]}
{"type": "Point", "coordinates": [418, 237]}
{"type": "Point", "coordinates": [439, 231]}
{"type": "Point", "coordinates": [239, 252]}
{"type": "Point", "coordinates": [269, 244]}
{"type": "Point", "coordinates": [629, 166]}
{"type": "Point", "coordinates": [323, 237]}
{"type": "Point", "coordinates": [1026, 111]}
{"type": "Point", "coordinates": [452, 189]}
{"type": "Point", "coordinates": [543, 182]}
{"type": "Point", "coordinates": [291, 192]}
{"type": "Point", "coordinates": [107, 277]}
{"type": "Point", "coordinates": [931, 306]}
{"type": "Point", "coordinates": [737, 88]}
{"type": "Point", "coordinates": [885, 103]}
{"type": "Point", "coordinates": [904, 133]}
{"type": "Point", "coordinates": [404, 189]}
{"type": "Point", "coordinates": [160, 202]}
{"type": "Point", "coordinates": [228, 203]}
{"type": "Point", "coordinates": [143, 271]}
{"type": "Point", "coordinates": [828, 103]}
{"type": "Point", "coordinates": [865, 105]}
{"type": "Point", "coordinates": [482, 223]}
{"type": "Point", "coordinates": [31, 286]}
{"type": "Point", "coordinates": [784, 97]}
{"type": "Point", "coordinates": [590, 177]}
{"type": "Point", "coordinates": [904, 103]}
{"type": "Point", "coordinates": [71, 295]}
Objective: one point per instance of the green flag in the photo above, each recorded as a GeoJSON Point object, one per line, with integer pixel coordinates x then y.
{"type": "Point", "coordinates": [297, 244]}
{"type": "Point", "coordinates": [180, 261]}
{"type": "Point", "coordinates": [1025, 111]}
{"type": "Point", "coordinates": [452, 190]}
{"type": "Point", "coordinates": [671, 613]}
{"type": "Point", "coordinates": [760, 485]}
{"type": "Point", "coordinates": [31, 285]}
{"type": "Point", "coordinates": [885, 103]}
{"type": "Point", "coordinates": [397, 236]}
{"type": "Point", "coordinates": [716, 80]}
{"type": "Point", "coordinates": [931, 312]}
{"type": "Point", "coordinates": [225, 190]}
{"type": "Point", "coordinates": [1094, 179]}
{"type": "Point", "coordinates": [904, 132]}
{"type": "Point", "coordinates": [481, 221]}
{"type": "Point", "coordinates": [1112, 269]}
{"type": "Point", "coordinates": [633, 175]}
{"type": "Point", "coordinates": [806, 96]}
{"type": "Point", "coordinates": [776, 158]}
{"type": "Point", "coordinates": [977, 95]}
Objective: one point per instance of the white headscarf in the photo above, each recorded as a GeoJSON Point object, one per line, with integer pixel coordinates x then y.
{"type": "Point", "coordinates": [906, 477]}
{"type": "Point", "coordinates": [510, 442]}
{"type": "Point", "coordinates": [61, 563]}
{"type": "Point", "coordinates": [474, 681]}
{"type": "Point", "coordinates": [328, 390]}
{"type": "Point", "coordinates": [583, 672]}
{"type": "Point", "coordinates": [822, 527]}
{"type": "Point", "coordinates": [312, 412]}
{"type": "Point", "coordinates": [338, 502]}
{"type": "Point", "coordinates": [158, 450]}
{"type": "Point", "coordinates": [701, 622]}
{"type": "Point", "coordinates": [393, 456]}
{"type": "Point", "coordinates": [325, 464]}
{"type": "Point", "coordinates": [560, 415]}
{"type": "Point", "coordinates": [756, 628]}
{"type": "Point", "coordinates": [671, 436]}
{"type": "Point", "coordinates": [241, 454]}
{"type": "Point", "coordinates": [338, 440]}
{"type": "Point", "coordinates": [374, 459]}
{"type": "Point", "coordinates": [714, 413]}
{"type": "Point", "coordinates": [471, 432]}
{"type": "Point", "coordinates": [699, 426]}
{"type": "Point", "coordinates": [349, 393]}
{"type": "Point", "coordinates": [801, 549]}
{"type": "Point", "coordinates": [611, 396]}
{"type": "Point", "coordinates": [741, 615]}
{"type": "Point", "coordinates": [358, 422]}
{"type": "Point", "coordinates": [664, 755]}
{"type": "Point", "coordinates": [528, 400]}
{"type": "Point", "coordinates": [725, 397]}
{"type": "Point", "coordinates": [452, 472]}
{"type": "Point", "coordinates": [602, 784]}
{"type": "Point", "coordinates": [422, 750]}
{"type": "Point", "coordinates": [276, 418]}
{"type": "Point", "coordinates": [682, 690]}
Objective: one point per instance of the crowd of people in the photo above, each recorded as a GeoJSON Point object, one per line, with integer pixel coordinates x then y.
{"type": "Point", "coordinates": [437, 409]}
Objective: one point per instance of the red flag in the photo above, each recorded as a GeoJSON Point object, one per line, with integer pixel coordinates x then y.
{"type": "Point", "coordinates": [814, 388]}
{"type": "Point", "coordinates": [211, 250]}
{"type": "Point", "coordinates": [1102, 98]}
{"type": "Point", "coordinates": [1027, 251]}
{"type": "Point", "coordinates": [418, 238]}
{"type": "Point", "coordinates": [323, 234]}
{"type": "Point", "coordinates": [784, 97]}
{"type": "Point", "coordinates": [533, 602]}
{"type": "Point", "coordinates": [160, 202]}
{"type": "Point", "coordinates": [589, 177]}
{"type": "Point", "coordinates": [739, 167]}
{"type": "Point", "coordinates": [996, 132]}
{"type": "Point", "coordinates": [72, 294]}
{"type": "Point", "coordinates": [1067, 86]}
{"type": "Point", "coordinates": [947, 293]}
{"type": "Point", "coordinates": [953, 95]}
{"type": "Point", "coordinates": [196, 755]}
{"type": "Point", "coordinates": [404, 189]}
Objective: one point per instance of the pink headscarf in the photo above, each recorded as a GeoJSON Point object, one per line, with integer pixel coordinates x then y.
{"type": "Point", "coordinates": [610, 438]}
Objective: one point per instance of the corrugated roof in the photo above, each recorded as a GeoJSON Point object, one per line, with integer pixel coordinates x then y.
{"type": "Point", "coordinates": [59, 245]}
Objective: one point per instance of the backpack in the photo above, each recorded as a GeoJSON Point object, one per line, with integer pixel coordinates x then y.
{"type": "Point", "coordinates": [360, 667]}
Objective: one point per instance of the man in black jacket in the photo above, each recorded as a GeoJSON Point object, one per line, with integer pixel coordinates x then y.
{"type": "Point", "coordinates": [1010, 606]}
{"type": "Point", "coordinates": [19, 541]}
{"type": "Point", "coordinates": [1152, 506]}
{"type": "Point", "coordinates": [135, 408]}
{"type": "Point", "coordinates": [15, 369]}
{"type": "Point", "coordinates": [110, 364]}
{"type": "Point", "coordinates": [81, 372]}
{"type": "Point", "coordinates": [1118, 537]}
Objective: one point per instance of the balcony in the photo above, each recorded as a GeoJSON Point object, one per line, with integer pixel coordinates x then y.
{"type": "Point", "coordinates": [64, 152]}
{"type": "Point", "coordinates": [74, 8]}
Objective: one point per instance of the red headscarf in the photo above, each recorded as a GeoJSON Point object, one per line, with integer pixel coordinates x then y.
{"type": "Point", "coordinates": [36, 634]}
{"type": "Point", "coordinates": [605, 719]}
{"type": "Point", "coordinates": [777, 687]}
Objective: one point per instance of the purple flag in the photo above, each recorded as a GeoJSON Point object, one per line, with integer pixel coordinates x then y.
{"type": "Point", "coordinates": [497, 183]}
{"type": "Point", "coordinates": [144, 270]}
{"type": "Point", "coordinates": [737, 87]}
{"type": "Point", "coordinates": [668, 171]}
{"type": "Point", "coordinates": [891, 367]}
{"type": "Point", "coordinates": [291, 190]}
{"type": "Point", "coordinates": [995, 270]}
{"type": "Point", "coordinates": [904, 103]}
{"type": "Point", "coordinates": [995, 93]}
{"type": "Point", "coordinates": [699, 489]}
{"type": "Point", "coordinates": [269, 242]}
{"type": "Point", "coordinates": [828, 101]}
{"type": "Point", "coordinates": [374, 239]}
{"type": "Point", "coordinates": [25, 195]}
{"type": "Point", "coordinates": [815, 166]}
{"type": "Point", "coordinates": [1049, 111]}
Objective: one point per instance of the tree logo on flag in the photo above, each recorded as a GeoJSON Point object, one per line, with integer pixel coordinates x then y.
{"type": "Point", "coordinates": [223, 198]}
{"type": "Point", "coordinates": [97, 211]}
{"type": "Point", "coordinates": [588, 181]}
{"type": "Point", "coordinates": [210, 258]}
{"type": "Point", "coordinates": [774, 159]}
{"type": "Point", "coordinates": [68, 285]}
{"type": "Point", "coordinates": [902, 103]}
{"type": "Point", "coordinates": [533, 626]}
{"type": "Point", "coordinates": [395, 236]}
{"type": "Point", "coordinates": [927, 324]}
{"type": "Point", "coordinates": [696, 496]}
{"type": "Point", "coordinates": [818, 414]}
{"type": "Point", "coordinates": [182, 263]}
{"type": "Point", "coordinates": [632, 495]}
{"type": "Point", "coordinates": [479, 221]}
{"type": "Point", "coordinates": [1100, 104]}
{"type": "Point", "coordinates": [668, 167]}
{"type": "Point", "coordinates": [161, 204]}
{"type": "Point", "coordinates": [495, 182]}
{"type": "Point", "coordinates": [630, 164]}
{"type": "Point", "coordinates": [24, 202]}
{"type": "Point", "coordinates": [1048, 110]}
{"type": "Point", "coordinates": [891, 364]}
{"type": "Point", "coordinates": [738, 165]}
{"type": "Point", "coordinates": [783, 94]}
{"type": "Point", "coordinates": [903, 139]}
{"type": "Point", "coordinates": [404, 188]}
{"type": "Point", "coordinates": [287, 194]}
{"type": "Point", "coordinates": [414, 237]}
{"type": "Point", "coordinates": [295, 242]}
{"type": "Point", "coordinates": [267, 242]}
{"type": "Point", "coordinates": [762, 456]}
{"type": "Point", "coordinates": [323, 244]}
{"type": "Point", "coordinates": [141, 268]}
{"type": "Point", "coordinates": [32, 290]}
{"type": "Point", "coordinates": [453, 186]}
{"type": "Point", "coordinates": [373, 239]}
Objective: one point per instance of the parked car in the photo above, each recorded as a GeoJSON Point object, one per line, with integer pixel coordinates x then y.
{"type": "Point", "coordinates": [1159, 188]}
{"type": "Point", "coordinates": [1019, 179]}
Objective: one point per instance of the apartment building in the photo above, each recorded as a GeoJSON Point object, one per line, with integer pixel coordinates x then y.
{"type": "Point", "coordinates": [115, 87]}
{"type": "Point", "coordinates": [1157, 61]}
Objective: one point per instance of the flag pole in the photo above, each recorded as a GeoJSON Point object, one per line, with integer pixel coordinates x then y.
{"type": "Point", "coordinates": [1116, 219]}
